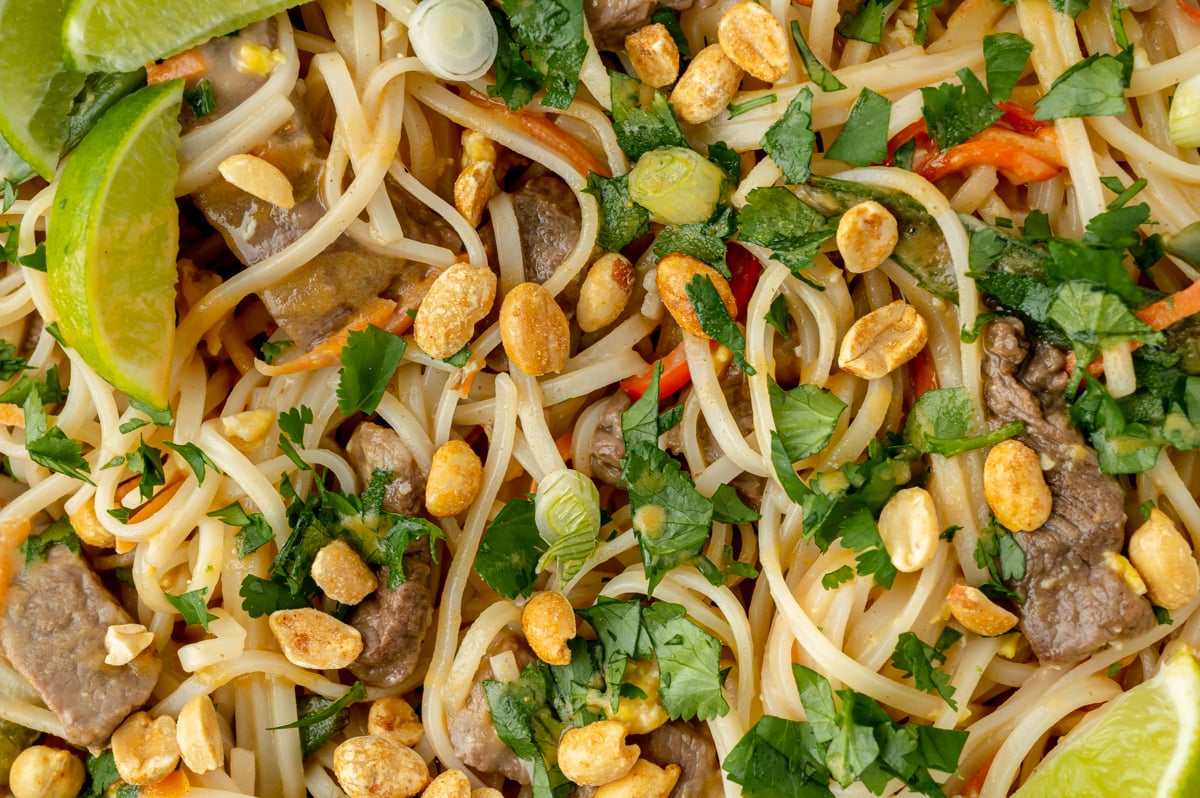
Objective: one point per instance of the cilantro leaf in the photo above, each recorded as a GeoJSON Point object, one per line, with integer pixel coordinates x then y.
{"type": "Point", "coordinates": [61, 532]}
{"type": "Point", "coordinates": [254, 532]}
{"type": "Point", "coordinates": [864, 139]}
{"type": "Point", "coordinates": [160, 417]}
{"type": "Point", "coordinates": [146, 461]}
{"type": "Point", "coordinates": [805, 417]}
{"type": "Point", "coordinates": [102, 774]}
{"type": "Point", "coordinates": [859, 532]}
{"type": "Point", "coordinates": [319, 726]}
{"type": "Point", "coordinates": [1093, 87]}
{"type": "Point", "coordinates": [49, 389]}
{"type": "Point", "coordinates": [779, 316]}
{"type": "Point", "coordinates": [953, 112]}
{"type": "Point", "coordinates": [715, 320]}
{"type": "Point", "coordinates": [510, 549]}
{"type": "Point", "coordinates": [51, 447]}
{"type": "Point", "coordinates": [551, 34]}
{"type": "Point", "coordinates": [670, 20]}
{"type": "Point", "coordinates": [940, 423]}
{"type": "Point", "coordinates": [621, 219]}
{"type": "Point", "coordinates": [778, 758]}
{"type": "Point", "coordinates": [918, 661]}
{"type": "Point", "coordinates": [524, 721]}
{"type": "Point", "coordinates": [200, 99]}
{"type": "Point", "coordinates": [1005, 55]}
{"type": "Point", "coordinates": [776, 218]}
{"type": "Point", "coordinates": [264, 596]}
{"type": "Point", "coordinates": [639, 422]}
{"type": "Point", "coordinates": [818, 73]}
{"type": "Point", "coordinates": [10, 364]}
{"type": "Point", "coordinates": [271, 350]}
{"type": "Point", "coordinates": [728, 507]}
{"type": "Point", "coordinates": [865, 23]}
{"type": "Point", "coordinates": [924, 10]}
{"type": "Point", "coordinates": [328, 709]}
{"type": "Point", "coordinates": [689, 663]}
{"type": "Point", "coordinates": [642, 117]}
{"type": "Point", "coordinates": [369, 359]}
{"type": "Point", "coordinates": [292, 422]}
{"type": "Point", "coordinates": [705, 241]}
{"type": "Point", "coordinates": [192, 607]}
{"type": "Point", "coordinates": [790, 140]}
{"type": "Point", "coordinates": [998, 552]}
{"type": "Point", "coordinates": [737, 109]}
{"type": "Point", "coordinates": [1071, 8]}
{"type": "Point", "coordinates": [195, 457]}
{"type": "Point", "coordinates": [1091, 315]}
{"type": "Point", "coordinates": [516, 80]}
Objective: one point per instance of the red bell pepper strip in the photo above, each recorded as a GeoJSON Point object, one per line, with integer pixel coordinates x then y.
{"type": "Point", "coordinates": [1014, 162]}
{"type": "Point", "coordinates": [675, 375]}
{"type": "Point", "coordinates": [1192, 14]}
{"type": "Point", "coordinates": [1019, 118]}
{"type": "Point", "coordinates": [745, 270]}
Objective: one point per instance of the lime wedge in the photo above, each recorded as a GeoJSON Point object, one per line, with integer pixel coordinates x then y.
{"type": "Point", "coordinates": [112, 239]}
{"type": "Point", "coordinates": [1143, 743]}
{"type": "Point", "coordinates": [37, 91]}
{"type": "Point", "coordinates": [120, 35]}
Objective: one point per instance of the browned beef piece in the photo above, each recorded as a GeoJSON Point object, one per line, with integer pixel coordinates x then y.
{"type": "Point", "coordinates": [320, 297]}
{"type": "Point", "coordinates": [1073, 602]}
{"type": "Point", "coordinates": [471, 731]}
{"type": "Point", "coordinates": [393, 623]}
{"type": "Point", "coordinates": [691, 747]}
{"type": "Point", "coordinates": [53, 635]}
{"type": "Point", "coordinates": [608, 447]}
{"type": "Point", "coordinates": [610, 20]}
{"type": "Point", "coordinates": [548, 220]}
{"type": "Point", "coordinates": [371, 448]}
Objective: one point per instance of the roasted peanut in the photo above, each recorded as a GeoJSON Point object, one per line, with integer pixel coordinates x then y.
{"type": "Point", "coordinates": [978, 613]}
{"type": "Point", "coordinates": [654, 55]}
{"type": "Point", "coordinates": [392, 716]}
{"type": "Point", "coordinates": [596, 754]}
{"type": "Point", "coordinates": [605, 292]}
{"type": "Point", "coordinates": [1015, 487]}
{"type": "Point", "coordinates": [258, 178]}
{"type": "Point", "coordinates": [866, 236]}
{"type": "Point", "coordinates": [199, 736]}
{"type": "Point", "coordinates": [144, 749]}
{"type": "Point", "coordinates": [910, 529]}
{"type": "Point", "coordinates": [450, 784]}
{"type": "Point", "coordinates": [754, 39]}
{"type": "Point", "coordinates": [642, 715]}
{"type": "Point", "coordinates": [44, 772]}
{"type": "Point", "coordinates": [89, 529]}
{"type": "Point", "coordinates": [341, 573]}
{"type": "Point", "coordinates": [248, 426]}
{"type": "Point", "coordinates": [454, 479]}
{"type": "Point", "coordinates": [477, 148]}
{"type": "Point", "coordinates": [534, 330]}
{"type": "Point", "coordinates": [474, 186]}
{"type": "Point", "coordinates": [377, 767]}
{"type": "Point", "coordinates": [124, 641]}
{"type": "Point", "coordinates": [645, 780]}
{"type": "Point", "coordinates": [457, 299]}
{"type": "Point", "coordinates": [672, 276]}
{"type": "Point", "coordinates": [314, 639]}
{"type": "Point", "coordinates": [707, 86]}
{"type": "Point", "coordinates": [548, 621]}
{"type": "Point", "coordinates": [883, 340]}
{"type": "Point", "coordinates": [1165, 560]}
{"type": "Point", "coordinates": [486, 792]}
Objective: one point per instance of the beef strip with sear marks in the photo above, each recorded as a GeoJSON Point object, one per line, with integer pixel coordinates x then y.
{"type": "Point", "coordinates": [374, 448]}
{"type": "Point", "coordinates": [393, 622]}
{"type": "Point", "coordinates": [1073, 601]}
{"type": "Point", "coordinates": [611, 20]}
{"type": "Point", "coordinates": [53, 632]}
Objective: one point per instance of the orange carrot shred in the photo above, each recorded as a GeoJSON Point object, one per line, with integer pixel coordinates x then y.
{"type": "Point", "coordinates": [188, 64]}
{"type": "Point", "coordinates": [1177, 307]}
{"type": "Point", "coordinates": [173, 786]}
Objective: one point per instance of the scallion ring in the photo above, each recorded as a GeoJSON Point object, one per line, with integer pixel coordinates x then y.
{"type": "Point", "coordinates": [455, 39]}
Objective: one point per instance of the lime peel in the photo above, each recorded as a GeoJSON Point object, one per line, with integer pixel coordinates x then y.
{"type": "Point", "coordinates": [121, 35]}
{"type": "Point", "coordinates": [112, 240]}
{"type": "Point", "coordinates": [1145, 742]}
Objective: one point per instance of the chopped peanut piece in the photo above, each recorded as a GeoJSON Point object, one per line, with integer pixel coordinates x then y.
{"type": "Point", "coordinates": [124, 641]}
{"type": "Point", "coordinates": [248, 426]}
{"type": "Point", "coordinates": [89, 529]}
{"type": "Point", "coordinates": [457, 299]}
{"type": "Point", "coordinates": [258, 178]}
{"type": "Point", "coordinates": [754, 39]}
{"type": "Point", "coordinates": [392, 716]}
{"type": "Point", "coordinates": [596, 754]}
{"type": "Point", "coordinates": [450, 784]}
{"type": "Point", "coordinates": [313, 639]}
{"type": "Point", "coordinates": [883, 340]}
{"type": "Point", "coordinates": [454, 479]}
{"type": "Point", "coordinates": [645, 780]}
{"type": "Point", "coordinates": [654, 55]}
{"type": "Point", "coordinates": [866, 236]}
{"type": "Point", "coordinates": [1015, 488]}
{"type": "Point", "coordinates": [341, 574]}
{"type": "Point", "coordinates": [44, 772]}
{"type": "Point", "coordinates": [978, 613]}
{"type": "Point", "coordinates": [672, 276]}
{"type": "Point", "coordinates": [910, 529]}
{"type": "Point", "coordinates": [144, 748]}
{"type": "Point", "coordinates": [534, 330]}
{"type": "Point", "coordinates": [1165, 560]}
{"type": "Point", "coordinates": [548, 621]}
{"type": "Point", "coordinates": [376, 767]}
{"type": "Point", "coordinates": [605, 292]}
{"type": "Point", "coordinates": [473, 188]}
{"type": "Point", "coordinates": [199, 736]}
{"type": "Point", "coordinates": [707, 86]}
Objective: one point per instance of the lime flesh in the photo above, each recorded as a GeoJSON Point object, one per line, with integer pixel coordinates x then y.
{"type": "Point", "coordinates": [122, 35]}
{"type": "Point", "coordinates": [112, 240]}
{"type": "Point", "coordinates": [1143, 744]}
{"type": "Point", "coordinates": [37, 91]}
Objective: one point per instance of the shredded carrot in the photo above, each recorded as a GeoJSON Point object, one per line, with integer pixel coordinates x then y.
{"type": "Point", "coordinates": [13, 532]}
{"type": "Point", "coordinates": [1013, 161]}
{"type": "Point", "coordinates": [379, 312]}
{"type": "Point", "coordinates": [1019, 118]}
{"type": "Point", "coordinates": [974, 785]}
{"type": "Point", "coordinates": [546, 132]}
{"type": "Point", "coordinates": [563, 444]}
{"type": "Point", "coordinates": [1043, 144]}
{"type": "Point", "coordinates": [188, 64]}
{"type": "Point", "coordinates": [157, 501]}
{"type": "Point", "coordinates": [1177, 307]}
{"type": "Point", "coordinates": [11, 415]}
{"type": "Point", "coordinates": [125, 487]}
{"type": "Point", "coordinates": [173, 786]}
{"type": "Point", "coordinates": [1192, 14]}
